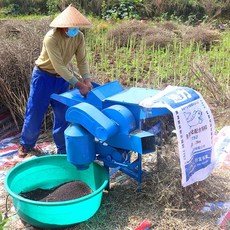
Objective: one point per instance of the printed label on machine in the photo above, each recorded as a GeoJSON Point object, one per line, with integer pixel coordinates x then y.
{"type": "Point", "coordinates": [195, 127]}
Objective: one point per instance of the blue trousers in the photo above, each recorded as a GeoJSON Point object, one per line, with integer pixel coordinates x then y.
{"type": "Point", "coordinates": [42, 85]}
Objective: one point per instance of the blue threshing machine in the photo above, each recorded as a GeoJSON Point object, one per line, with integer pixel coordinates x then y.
{"type": "Point", "coordinates": [108, 125]}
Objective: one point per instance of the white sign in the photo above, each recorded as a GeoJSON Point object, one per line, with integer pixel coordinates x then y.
{"type": "Point", "coordinates": [195, 128]}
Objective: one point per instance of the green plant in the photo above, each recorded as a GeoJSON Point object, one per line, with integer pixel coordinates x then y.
{"type": "Point", "coordinates": [12, 9]}
{"type": "Point", "coordinates": [52, 6]}
{"type": "Point", "coordinates": [122, 9]}
{"type": "Point", "coordinates": [3, 221]}
{"type": "Point", "coordinates": [16, 8]}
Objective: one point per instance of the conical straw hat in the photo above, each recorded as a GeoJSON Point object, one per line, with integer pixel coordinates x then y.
{"type": "Point", "coordinates": [70, 17]}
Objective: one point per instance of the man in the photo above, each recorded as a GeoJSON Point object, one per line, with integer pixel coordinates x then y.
{"type": "Point", "coordinates": [51, 75]}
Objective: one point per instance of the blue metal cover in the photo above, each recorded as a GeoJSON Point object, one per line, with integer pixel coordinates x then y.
{"type": "Point", "coordinates": [133, 95]}
{"type": "Point", "coordinates": [131, 98]}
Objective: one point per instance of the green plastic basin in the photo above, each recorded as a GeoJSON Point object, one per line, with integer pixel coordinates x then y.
{"type": "Point", "coordinates": [47, 172]}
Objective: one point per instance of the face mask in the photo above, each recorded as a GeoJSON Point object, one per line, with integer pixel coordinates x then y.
{"type": "Point", "coordinates": [72, 32]}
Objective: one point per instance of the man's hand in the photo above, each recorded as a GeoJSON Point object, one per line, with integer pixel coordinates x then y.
{"type": "Point", "coordinates": [83, 88]}
{"type": "Point", "coordinates": [88, 83]}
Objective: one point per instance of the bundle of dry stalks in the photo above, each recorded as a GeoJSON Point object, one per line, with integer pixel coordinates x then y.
{"type": "Point", "coordinates": [161, 35]}
{"type": "Point", "coordinates": [200, 35]}
{"type": "Point", "coordinates": [158, 36]}
{"type": "Point", "coordinates": [121, 33]}
{"type": "Point", "coordinates": [20, 45]}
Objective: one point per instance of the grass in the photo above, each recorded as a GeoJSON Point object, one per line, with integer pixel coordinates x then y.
{"type": "Point", "coordinates": [151, 67]}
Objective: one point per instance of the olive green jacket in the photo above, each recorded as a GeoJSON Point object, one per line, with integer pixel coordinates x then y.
{"type": "Point", "coordinates": [57, 53]}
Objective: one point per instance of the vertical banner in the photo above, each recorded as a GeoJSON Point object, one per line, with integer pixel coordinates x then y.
{"type": "Point", "coordinates": [195, 129]}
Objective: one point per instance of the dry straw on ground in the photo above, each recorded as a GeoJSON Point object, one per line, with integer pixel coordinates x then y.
{"type": "Point", "coordinates": [158, 36]}
{"type": "Point", "coordinates": [200, 35]}
{"type": "Point", "coordinates": [162, 199]}
{"type": "Point", "coordinates": [161, 34]}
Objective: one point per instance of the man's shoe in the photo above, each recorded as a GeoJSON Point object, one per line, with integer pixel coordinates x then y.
{"type": "Point", "coordinates": [22, 151]}
{"type": "Point", "coordinates": [37, 151]}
